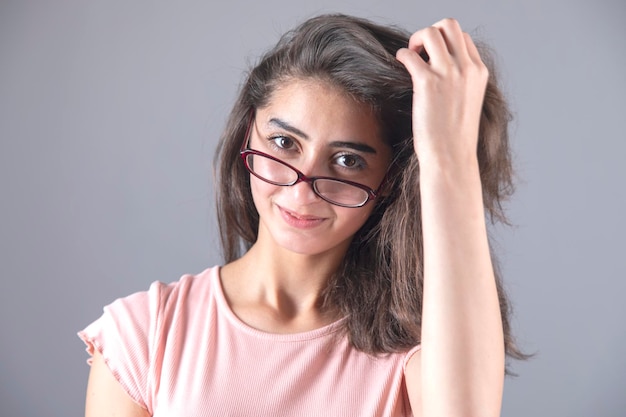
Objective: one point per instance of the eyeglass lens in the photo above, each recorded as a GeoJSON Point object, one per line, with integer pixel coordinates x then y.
{"type": "Point", "coordinates": [332, 190]}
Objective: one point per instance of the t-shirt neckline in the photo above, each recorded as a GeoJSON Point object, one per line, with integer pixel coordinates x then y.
{"type": "Point", "coordinates": [224, 308]}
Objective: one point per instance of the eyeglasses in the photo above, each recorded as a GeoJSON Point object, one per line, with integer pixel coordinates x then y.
{"type": "Point", "coordinates": [272, 170]}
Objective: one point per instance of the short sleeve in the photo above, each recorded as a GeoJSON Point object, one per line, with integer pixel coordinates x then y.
{"type": "Point", "coordinates": [126, 337]}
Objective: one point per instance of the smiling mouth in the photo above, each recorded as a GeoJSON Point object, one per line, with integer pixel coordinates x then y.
{"type": "Point", "coordinates": [300, 221]}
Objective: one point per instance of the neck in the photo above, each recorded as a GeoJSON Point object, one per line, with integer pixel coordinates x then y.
{"type": "Point", "coordinates": [276, 290]}
{"type": "Point", "coordinates": [284, 275]}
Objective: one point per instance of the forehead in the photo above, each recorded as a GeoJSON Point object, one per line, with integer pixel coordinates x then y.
{"type": "Point", "coordinates": [321, 110]}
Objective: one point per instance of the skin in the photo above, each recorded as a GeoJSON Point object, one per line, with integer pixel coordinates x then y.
{"type": "Point", "coordinates": [297, 259]}
{"type": "Point", "coordinates": [300, 235]}
{"type": "Point", "coordinates": [462, 352]}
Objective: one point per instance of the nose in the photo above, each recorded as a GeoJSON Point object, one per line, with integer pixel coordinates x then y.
{"type": "Point", "coordinates": [303, 193]}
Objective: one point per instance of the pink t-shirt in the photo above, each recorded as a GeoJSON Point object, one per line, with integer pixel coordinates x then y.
{"type": "Point", "coordinates": [179, 350]}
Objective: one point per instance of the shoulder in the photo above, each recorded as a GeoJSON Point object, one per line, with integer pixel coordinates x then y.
{"type": "Point", "coordinates": [162, 296]}
{"type": "Point", "coordinates": [134, 332]}
{"type": "Point", "coordinates": [188, 289]}
{"type": "Point", "coordinates": [137, 319]}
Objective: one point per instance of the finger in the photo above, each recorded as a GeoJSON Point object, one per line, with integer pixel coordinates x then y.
{"type": "Point", "coordinates": [431, 41]}
{"type": "Point", "coordinates": [413, 61]}
{"type": "Point", "coordinates": [453, 36]}
{"type": "Point", "coordinates": [472, 50]}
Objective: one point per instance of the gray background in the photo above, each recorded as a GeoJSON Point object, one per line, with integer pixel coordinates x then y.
{"type": "Point", "coordinates": [109, 114]}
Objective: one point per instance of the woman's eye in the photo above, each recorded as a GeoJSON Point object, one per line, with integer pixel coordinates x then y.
{"type": "Point", "coordinates": [282, 142]}
{"type": "Point", "coordinates": [350, 161]}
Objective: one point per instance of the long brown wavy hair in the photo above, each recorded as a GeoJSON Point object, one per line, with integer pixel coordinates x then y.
{"type": "Point", "coordinates": [379, 284]}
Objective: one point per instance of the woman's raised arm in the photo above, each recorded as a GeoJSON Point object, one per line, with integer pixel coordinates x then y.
{"type": "Point", "coordinates": [459, 370]}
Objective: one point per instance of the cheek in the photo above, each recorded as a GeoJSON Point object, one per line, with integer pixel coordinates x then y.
{"type": "Point", "coordinates": [355, 218]}
{"type": "Point", "coordinates": [260, 190]}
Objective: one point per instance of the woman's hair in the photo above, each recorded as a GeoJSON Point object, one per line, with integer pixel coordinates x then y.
{"type": "Point", "coordinates": [379, 284]}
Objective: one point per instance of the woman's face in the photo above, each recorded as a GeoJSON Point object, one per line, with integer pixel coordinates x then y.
{"type": "Point", "coordinates": [319, 130]}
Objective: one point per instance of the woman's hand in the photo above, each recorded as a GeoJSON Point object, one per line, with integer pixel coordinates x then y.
{"type": "Point", "coordinates": [448, 91]}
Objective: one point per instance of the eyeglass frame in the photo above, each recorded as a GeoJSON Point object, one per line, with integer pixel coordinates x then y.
{"type": "Point", "coordinates": [244, 151]}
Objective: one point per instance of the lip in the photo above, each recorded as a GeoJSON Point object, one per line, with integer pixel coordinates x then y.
{"type": "Point", "coordinates": [300, 221]}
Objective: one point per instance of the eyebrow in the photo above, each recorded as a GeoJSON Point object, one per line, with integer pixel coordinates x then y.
{"type": "Point", "coordinates": [357, 146]}
{"type": "Point", "coordinates": [289, 128]}
{"type": "Point", "coordinates": [354, 145]}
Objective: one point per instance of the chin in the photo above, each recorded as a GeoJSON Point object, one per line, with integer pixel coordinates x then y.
{"type": "Point", "coordinates": [311, 245]}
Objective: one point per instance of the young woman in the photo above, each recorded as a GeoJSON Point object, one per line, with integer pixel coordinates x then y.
{"type": "Point", "coordinates": [356, 172]}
